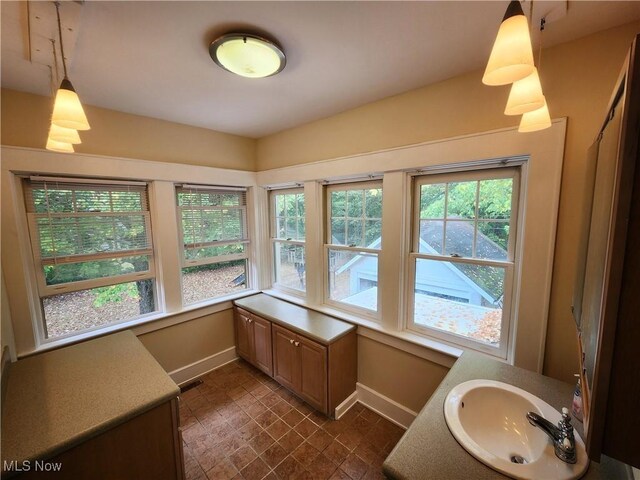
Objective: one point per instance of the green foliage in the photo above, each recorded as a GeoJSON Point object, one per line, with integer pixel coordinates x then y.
{"type": "Point", "coordinates": [290, 219]}
{"type": "Point", "coordinates": [356, 216]}
{"type": "Point", "coordinates": [493, 198]}
{"type": "Point", "coordinates": [76, 272]}
{"type": "Point", "coordinates": [114, 293]}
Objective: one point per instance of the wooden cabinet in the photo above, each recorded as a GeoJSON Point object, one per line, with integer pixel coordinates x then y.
{"type": "Point", "coordinates": [147, 446]}
{"type": "Point", "coordinates": [300, 364]}
{"type": "Point", "coordinates": [253, 340]}
{"type": "Point", "coordinates": [311, 354]}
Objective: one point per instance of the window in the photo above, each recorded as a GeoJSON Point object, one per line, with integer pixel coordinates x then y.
{"type": "Point", "coordinates": [462, 260]}
{"type": "Point", "coordinates": [353, 243]}
{"type": "Point", "coordinates": [91, 243]}
{"type": "Point", "coordinates": [287, 236]}
{"type": "Point", "coordinates": [215, 243]}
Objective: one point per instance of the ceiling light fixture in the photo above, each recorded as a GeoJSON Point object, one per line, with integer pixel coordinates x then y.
{"type": "Point", "coordinates": [247, 55]}
{"type": "Point", "coordinates": [511, 58]}
{"type": "Point", "coordinates": [67, 109]}
{"type": "Point", "coordinates": [538, 119]}
{"type": "Point", "coordinates": [525, 95]}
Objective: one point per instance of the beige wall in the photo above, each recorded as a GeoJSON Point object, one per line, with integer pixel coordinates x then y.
{"type": "Point", "coordinates": [6, 331]}
{"type": "Point", "coordinates": [398, 375]}
{"type": "Point", "coordinates": [123, 135]}
{"type": "Point", "coordinates": [577, 78]}
{"type": "Point", "coordinates": [185, 343]}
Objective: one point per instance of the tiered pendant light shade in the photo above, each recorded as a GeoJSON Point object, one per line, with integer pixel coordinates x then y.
{"type": "Point", "coordinates": [59, 146]}
{"type": "Point", "coordinates": [67, 110]}
{"type": "Point", "coordinates": [525, 96]}
{"type": "Point", "coordinates": [64, 135]}
{"type": "Point", "coordinates": [536, 120]}
{"type": "Point", "coordinates": [512, 56]}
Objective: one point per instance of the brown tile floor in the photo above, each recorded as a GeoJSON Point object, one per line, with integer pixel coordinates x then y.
{"type": "Point", "coordinates": [241, 424]}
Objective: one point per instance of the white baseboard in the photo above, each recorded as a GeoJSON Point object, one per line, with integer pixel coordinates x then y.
{"type": "Point", "coordinates": [191, 372]}
{"type": "Point", "coordinates": [349, 402]}
{"type": "Point", "coordinates": [384, 406]}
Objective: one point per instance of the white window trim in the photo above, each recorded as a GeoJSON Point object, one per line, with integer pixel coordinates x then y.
{"type": "Point", "coordinates": [340, 185]}
{"type": "Point", "coordinates": [539, 202]}
{"type": "Point", "coordinates": [510, 265]}
{"type": "Point", "coordinates": [274, 240]}
{"type": "Point", "coordinates": [19, 268]}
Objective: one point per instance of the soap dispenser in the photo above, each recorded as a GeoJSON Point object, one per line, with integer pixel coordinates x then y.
{"type": "Point", "coordinates": [576, 406]}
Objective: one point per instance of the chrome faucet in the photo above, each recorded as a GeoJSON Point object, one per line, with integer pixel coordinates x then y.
{"type": "Point", "coordinates": [564, 442]}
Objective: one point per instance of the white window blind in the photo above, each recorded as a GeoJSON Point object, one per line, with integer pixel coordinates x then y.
{"type": "Point", "coordinates": [85, 233]}
{"type": "Point", "coordinates": [213, 223]}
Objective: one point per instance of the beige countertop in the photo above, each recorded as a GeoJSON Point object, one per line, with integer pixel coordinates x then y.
{"type": "Point", "coordinates": [315, 325]}
{"type": "Point", "coordinates": [428, 450]}
{"type": "Point", "coordinates": [61, 398]}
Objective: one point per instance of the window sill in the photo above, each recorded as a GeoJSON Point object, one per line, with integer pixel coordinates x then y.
{"type": "Point", "coordinates": [147, 324]}
{"type": "Point", "coordinates": [426, 348]}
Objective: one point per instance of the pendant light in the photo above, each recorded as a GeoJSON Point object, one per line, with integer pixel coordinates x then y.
{"type": "Point", "coordinates": [65, 135]}
{"type": "Point", "coordinates": [67, 109]}
{"type": "Point", "coordinates": [59, 146]}
{"type": "Point", "coordinates": [536, 120]}
{"type": "Point", "coordinates": [525, 95]}
{"type": "Point", "coordinates": [511, 58]}
{"type": "Point", "coordinates": [60, 139]}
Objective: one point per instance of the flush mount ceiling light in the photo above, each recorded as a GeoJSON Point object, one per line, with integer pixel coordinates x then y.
{"type": "Point", "coordinates": [511, 58]}
{"type": "Point", "coordinates": [247, 55]}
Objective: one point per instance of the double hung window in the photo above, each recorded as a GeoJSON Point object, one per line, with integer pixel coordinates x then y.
{"type": "Point", "coordinates": [92, 247]}
{"type": "Point", "coordinates": [461, 267]}
{"type": "Point", "coordinates": [352, 246]}
{"type": "Point", "coordinates": [214, 239]}
{"type": "Point", "coordinates": [287, 237]}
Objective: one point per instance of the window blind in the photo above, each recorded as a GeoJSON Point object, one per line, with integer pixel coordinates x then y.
{"type": "Point", "coordinates": [213, 221]}
{"type": "Point", "coordinates": [79, 221]}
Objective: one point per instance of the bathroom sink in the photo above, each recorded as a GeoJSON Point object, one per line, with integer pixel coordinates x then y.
{"type": "Point", "coordinates": [488, 419]}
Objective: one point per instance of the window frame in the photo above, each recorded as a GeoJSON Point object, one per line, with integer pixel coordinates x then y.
{"type": "Point", "coordinates": [43, 290]}
{"type": "Point", "coordinates": [327, 247]}
{"type": "Point", "coordinates": [246, 241]}
{"type": "Point", "coordinates": [276, 240]}
{"type": "Point", "coordinates": [511, 265]}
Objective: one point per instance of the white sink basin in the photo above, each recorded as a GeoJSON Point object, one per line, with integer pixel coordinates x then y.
{"type": "Point", "coordinates": [488, 419]}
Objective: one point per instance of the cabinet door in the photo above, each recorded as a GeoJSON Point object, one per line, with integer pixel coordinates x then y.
{"type": "Point", "coordinates": [262, 344]}
{"type": "Point", "coordinates": [313, 373]}
{"type": "Point", "coordinates": [286, 368]}
{"type": "Point", "coordinates": [244, 337]}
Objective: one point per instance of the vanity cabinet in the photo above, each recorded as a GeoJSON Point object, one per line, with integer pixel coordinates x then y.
{"type": "Point", "coordinates": [300, 365]}
{"type": "Point", "coordinates": [253, 340]}
{"type": "Point", "coordinates": [311, 354]}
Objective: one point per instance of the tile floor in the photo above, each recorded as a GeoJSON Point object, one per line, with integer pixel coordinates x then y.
{"type": "Point", "coordinates": [241, 424]}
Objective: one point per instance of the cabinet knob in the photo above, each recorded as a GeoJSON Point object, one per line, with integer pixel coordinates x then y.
{"type": "Point", "coordinates": [250, 320]}
{"type": "Point", "coordinates": [297, 344]}
{"type": "Point", "coordinates": [291, 340]}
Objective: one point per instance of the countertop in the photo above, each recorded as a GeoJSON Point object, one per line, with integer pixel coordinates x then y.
{"type": "Point", "coordinates": [315, 325]}
{"type": "Point", "coordinates": [61, 398]}
{"type": "Point", "coordinates": [428, 450]}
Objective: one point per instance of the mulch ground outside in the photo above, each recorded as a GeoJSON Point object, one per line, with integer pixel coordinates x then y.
{"type": "Point", "coordinates": [74, 312]}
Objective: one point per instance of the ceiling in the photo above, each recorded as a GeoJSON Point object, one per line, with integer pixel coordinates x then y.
{"type": "Point", "coordinates": [151, 58]}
